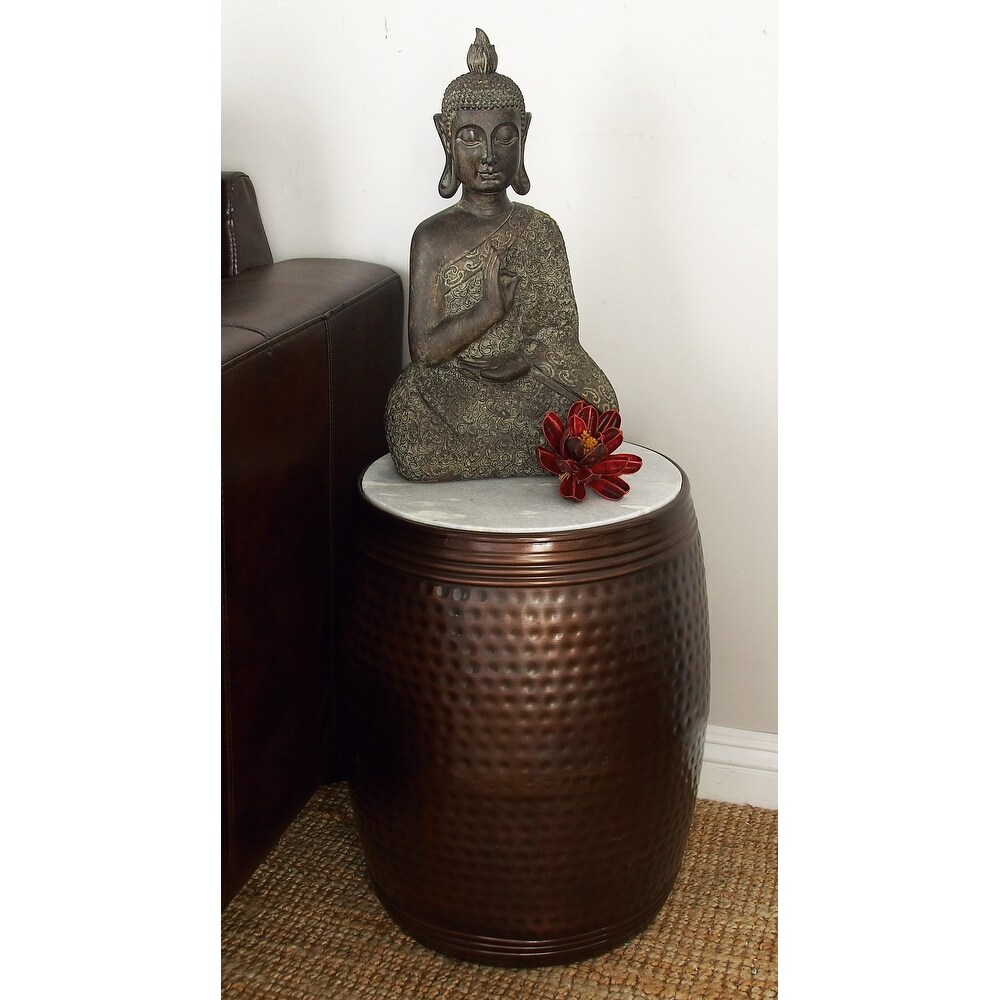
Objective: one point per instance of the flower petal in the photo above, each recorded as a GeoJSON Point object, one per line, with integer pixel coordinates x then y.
{"type": "Point", "coordinates": [609, 419]}
{"type": "Point", "coordinates": [574, 426]}
{"type": "Point", "coordinates": [574, 410]}
{"type": "Point", "coordinates": [550, 461]}
{"type": "Point", "coordinates": [552, 429]}
{"type": "Point", "coordinates": [612, 439]}
{"type": "Point", "coordinates": [572, 489]}
{"type": "Point", "coordinates": [597, 454]}
{"type": "Point", "coordinates": [589, 415]}
{"type": "Point", "coordinates": [609, 487]}
{"type": "Point", "coordinates": [618, 465]}
{"type": "Point", "coordinates": [573, 447]}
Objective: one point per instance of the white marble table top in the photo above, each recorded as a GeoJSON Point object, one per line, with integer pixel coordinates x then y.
{"type": "Point", "coordinates": [529, 505]}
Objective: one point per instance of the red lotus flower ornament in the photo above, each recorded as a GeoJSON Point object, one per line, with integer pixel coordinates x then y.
{"type": "Point", "coordinates": [580, 452]}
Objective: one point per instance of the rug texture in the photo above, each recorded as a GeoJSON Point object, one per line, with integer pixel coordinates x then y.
{"type": "Point", "coordinates": [308, 926]}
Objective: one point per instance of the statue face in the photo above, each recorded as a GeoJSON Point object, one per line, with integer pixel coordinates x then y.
{"type": "Point", "coordinates": [486, 147]}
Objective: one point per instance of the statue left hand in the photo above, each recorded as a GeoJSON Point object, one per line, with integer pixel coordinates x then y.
{"type": "Point", "coordinates": [505, 368]}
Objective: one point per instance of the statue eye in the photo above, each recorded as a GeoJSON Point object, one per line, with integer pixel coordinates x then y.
{"type": "Point", "coordinates": [506, 134]}
{"type": "Point", "coordinates": [468, 135]}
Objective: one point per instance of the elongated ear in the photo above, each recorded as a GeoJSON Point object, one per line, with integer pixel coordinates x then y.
{"type": "Point", "coordinates": [520, 183]}
{"type": "Point", "coordinates": [448, 184]}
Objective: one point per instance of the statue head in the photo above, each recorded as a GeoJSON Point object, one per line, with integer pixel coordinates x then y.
{"type": "Point", "coordinates": [485, 94]}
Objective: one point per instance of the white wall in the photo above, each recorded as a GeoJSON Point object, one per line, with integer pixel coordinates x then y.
{"type": "Point", "coordinates": [653, 145]}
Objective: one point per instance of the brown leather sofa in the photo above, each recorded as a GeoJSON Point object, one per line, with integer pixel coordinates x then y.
{"type": "Point", "coordinates": [310, 349]}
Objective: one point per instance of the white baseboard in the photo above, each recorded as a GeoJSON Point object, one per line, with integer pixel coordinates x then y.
{"type": "Point", "coordinates": [740, 766]}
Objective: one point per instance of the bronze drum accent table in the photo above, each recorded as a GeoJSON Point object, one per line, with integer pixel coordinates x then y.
{"type": "Point", "coordinates": [528, 683]}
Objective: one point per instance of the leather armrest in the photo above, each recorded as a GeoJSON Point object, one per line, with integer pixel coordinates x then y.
{"type": "Point", "coordinates": [310, 349]}
{"type": "Point", "coordinates": [244, 242]}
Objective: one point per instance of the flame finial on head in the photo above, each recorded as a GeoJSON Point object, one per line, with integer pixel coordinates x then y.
{"type": "Point", "coordinates": [482, 56]}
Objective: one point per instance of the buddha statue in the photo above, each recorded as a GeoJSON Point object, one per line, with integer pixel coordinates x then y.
{"type": "Point", "coordinates": [493, 327]}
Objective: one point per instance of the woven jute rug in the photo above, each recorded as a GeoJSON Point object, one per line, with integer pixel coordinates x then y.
{"type": "Point", "coordinates": [308, 925]}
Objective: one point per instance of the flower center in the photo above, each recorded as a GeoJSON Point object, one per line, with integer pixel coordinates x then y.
{"type": "Point", "coordinates": [589, 443]}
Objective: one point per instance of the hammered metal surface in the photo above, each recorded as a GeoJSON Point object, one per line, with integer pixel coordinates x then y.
{"type": "Point", "coordinates": [526, 754]}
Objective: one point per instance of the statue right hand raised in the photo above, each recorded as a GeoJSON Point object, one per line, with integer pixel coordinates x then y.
{"type": "Point", "coordinates": [434, 335]}
{"type": "Point", "coordinates": [498, 288]}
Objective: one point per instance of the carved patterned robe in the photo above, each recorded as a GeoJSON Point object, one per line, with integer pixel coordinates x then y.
{"type": "Point", "coordinates": [445, 423]}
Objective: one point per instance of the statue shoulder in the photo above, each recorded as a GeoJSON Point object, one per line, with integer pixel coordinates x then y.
{"type": "Point", "coordinates": [544, 225]}
{"type": "Point", "coordinates": [434, 228]}
{"type": "Point", "coordinates": [435, 238]}
{"type": "Point", "coordinates": [539, 218]}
